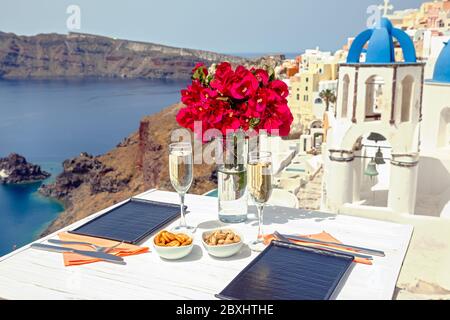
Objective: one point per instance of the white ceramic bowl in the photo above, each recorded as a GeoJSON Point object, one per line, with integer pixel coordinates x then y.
{"type": "Point", "coordinates": [173, 253]}
{"type": "Point", "coordinates": [222, 251]}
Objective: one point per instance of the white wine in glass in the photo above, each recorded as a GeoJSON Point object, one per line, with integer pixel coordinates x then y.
{"type": "Point", "coordinates": [181, 176]}
{"type": "Point", "coordinates": [259, 185]}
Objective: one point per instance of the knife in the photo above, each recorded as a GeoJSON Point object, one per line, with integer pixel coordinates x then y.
{"type": "Point", "coordinates": [91, 254]}
{"type": "Point", "coordinates": [324, 248]}
{"type": "Point", "coordinates": [377, 253]}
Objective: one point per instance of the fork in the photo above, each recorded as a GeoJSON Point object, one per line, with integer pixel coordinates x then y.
{"type": "Point", "coordinates": [93, 246]}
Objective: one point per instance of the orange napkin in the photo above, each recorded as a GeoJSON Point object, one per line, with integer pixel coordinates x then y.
{"type": "Point", "coordinates": [73, 259]}
{"type": "Point", "coordinates": [324, 236]}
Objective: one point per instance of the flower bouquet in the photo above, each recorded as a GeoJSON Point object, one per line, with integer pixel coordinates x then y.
{"type": "Point", "coordinates": [228, 103]}
{"type": "Point", "coordinates": [230, 100]}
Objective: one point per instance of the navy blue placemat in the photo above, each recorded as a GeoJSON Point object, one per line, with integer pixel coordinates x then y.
{"type": "Point", "coordinates": [130, 222]}
{"type": "Point", "coordinates": [289, 272]}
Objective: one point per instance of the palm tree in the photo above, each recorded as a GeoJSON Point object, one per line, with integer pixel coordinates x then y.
{"type": "Point", "coordinates": [328, 96]}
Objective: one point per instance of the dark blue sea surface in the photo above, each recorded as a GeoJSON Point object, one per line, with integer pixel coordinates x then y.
{"type": "Point", "coordinates": [50, 121]}
{"type": "Point", "coordinates": [24, 213]}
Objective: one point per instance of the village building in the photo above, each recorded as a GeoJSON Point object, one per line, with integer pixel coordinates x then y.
{"type": "Point", "coordinates": [387, 150]}
{"type": "Point", "coordinates": [432, 15]}
{"type": "Point", "coordinates": [317, 71]}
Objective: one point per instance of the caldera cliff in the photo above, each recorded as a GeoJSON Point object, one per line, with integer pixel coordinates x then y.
{"type": "Point", "coordinates": [140, 162]}
{"type": "Point", "coordinates": [85, 55]}
{"type": "Point", "coordinates": [78, 55]}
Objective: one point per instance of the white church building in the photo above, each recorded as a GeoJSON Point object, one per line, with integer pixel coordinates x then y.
{"type": "Point", "coordinates": [388, 149]}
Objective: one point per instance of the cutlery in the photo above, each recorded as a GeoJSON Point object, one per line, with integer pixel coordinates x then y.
{"type": "Point", "coordinates": [322, 247]}
{"type": "Point", "coordinates": [91, 254]}
{"type": "Point", "coordinates": [373, 252]}
{"type": "Point", "coordinates": [281, 237]}
{"type": "Point", "coordinates": [95, 247]}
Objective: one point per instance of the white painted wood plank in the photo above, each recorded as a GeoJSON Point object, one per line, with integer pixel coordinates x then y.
{"type": "Point", "coordinates": [31, 274]}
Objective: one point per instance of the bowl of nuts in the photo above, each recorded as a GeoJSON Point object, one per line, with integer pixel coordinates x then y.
{"type": "Point", "coordinates": [173, 246]}
{"type": "Point", "coordinates": [222, 243]}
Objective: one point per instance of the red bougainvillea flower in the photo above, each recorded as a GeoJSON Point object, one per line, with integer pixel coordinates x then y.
{"type": "Point", "coordinates": [262, 76]}
{"type": "Point", "coordinates": [244, 85]}
{"type": "Point", "coordinates": [216, 112]}
{"type": "Point", "coordinates": [192, 94]}
{"type": "Point", "coordinates": [222, 78]}
{"type": "Point", "coordinates": [285, 115]}
{"type": "Point", "coordinates": [231, 122]}
{"type": "Point", "coordinates": [223, 71]}
{"type": "Point", "coordinates": [280, 87]}
{"type": "Point", "coordinates": [207, 95]}
{"type": "Point", "coordinates": [186, 118]}
{"type": "Point", "coordinates": [249, 110]}
{"type": "Point", "coordinates": [262, 98]}
{"type": "Point", "coordinates": [272, 124]}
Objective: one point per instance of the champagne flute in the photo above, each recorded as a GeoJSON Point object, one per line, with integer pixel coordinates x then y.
{"type": "Point", "coordinates": [260, 188]}
{"type": "Point", "coordinates": [181, 176]}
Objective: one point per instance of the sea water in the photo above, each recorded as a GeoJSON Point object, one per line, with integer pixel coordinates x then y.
{"type": "Point", "coordinates": [48, 121]}
{"type": "Point", "coordinates": [24, 213]}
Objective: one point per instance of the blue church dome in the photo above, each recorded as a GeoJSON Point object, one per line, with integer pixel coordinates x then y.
{"type": "Point", "coordinates": [442, 67]}
{"type": "Point", "coordinates": [381, 47]}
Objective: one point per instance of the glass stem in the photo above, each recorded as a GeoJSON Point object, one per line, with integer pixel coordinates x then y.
{"type": "Point", "coordinates": [183, 219]}
{"type": "Point", "coordinates": [260, 222]}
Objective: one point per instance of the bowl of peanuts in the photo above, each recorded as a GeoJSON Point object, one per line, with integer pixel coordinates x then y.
{"type": "Point", "coordinates": [222, 243]}
{"type": "Point", "coordinates": [172, 245]}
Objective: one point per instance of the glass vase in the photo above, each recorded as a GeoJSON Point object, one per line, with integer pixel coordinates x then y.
{"type": "Point", "coordinates": [232, 179]}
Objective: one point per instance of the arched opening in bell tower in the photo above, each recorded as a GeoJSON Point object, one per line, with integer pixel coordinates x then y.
{"type": "Point", "coordinates": [375, 98]}
{"type": "Point", "coordinates": [371, 170]}
{"type": "Point", "coordinates": [407, 98]}
{"type": "Point", "coordinates": [345, 89]}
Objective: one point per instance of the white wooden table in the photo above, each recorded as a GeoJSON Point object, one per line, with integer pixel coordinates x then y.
{"type": "Point", "coordinates": [32, 274]}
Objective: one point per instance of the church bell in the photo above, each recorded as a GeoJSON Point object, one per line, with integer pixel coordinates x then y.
{"type": "Point", "coordinates": [379, 157]}
{"type": "Point", "coordinates": [376, 137]}
{"type": "Point", "coordinates": [371, 170]}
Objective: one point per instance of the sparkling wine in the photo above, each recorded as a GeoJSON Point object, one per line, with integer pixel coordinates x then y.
{"type": "Point", "coordinates": [260, 181]}
{"type": "Point", "coordinates": [181, 176]}
{"type": "Point", "coordinates": [260, 188]}
{"type": "Point", "coordinates": [180, 164]}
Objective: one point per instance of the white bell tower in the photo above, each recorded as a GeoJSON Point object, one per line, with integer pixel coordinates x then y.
{"type": "Point", "coordinates": [377, 96]}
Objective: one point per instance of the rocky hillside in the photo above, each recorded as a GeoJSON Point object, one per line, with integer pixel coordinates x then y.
{"type": "Point", "coordinates": [15, 169]}
{"type": "Point", "coordinates": [84, 55]}
{"type": "Point", "coordinates": [140, 162]}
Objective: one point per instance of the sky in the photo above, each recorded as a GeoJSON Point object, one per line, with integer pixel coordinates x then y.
{"type": "Point", "coordinates": [227, 26]}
